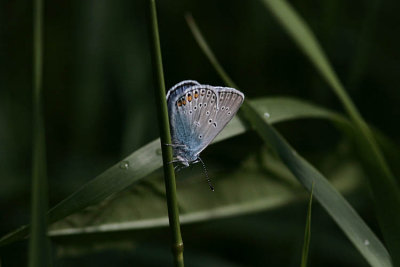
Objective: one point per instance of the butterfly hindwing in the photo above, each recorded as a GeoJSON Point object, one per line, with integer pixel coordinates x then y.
{"type": "Point", "coordinates": [228, 101]}
{"type": "Point", "coordinates": [204, 115]}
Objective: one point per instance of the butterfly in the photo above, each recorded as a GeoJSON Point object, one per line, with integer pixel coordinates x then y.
{"type": "Point", "coordinates": [197, 114]}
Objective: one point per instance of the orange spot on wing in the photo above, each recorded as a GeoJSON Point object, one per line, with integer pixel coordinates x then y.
{"type": "Point", "coordinates": [196, 95]}
{"type": "Point", "coordinates": [189, 98]}
{"type": "Point", "coordinates": [179, 103]}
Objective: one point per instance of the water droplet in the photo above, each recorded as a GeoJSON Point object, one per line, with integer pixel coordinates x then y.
{"type": "Point", "coordinates": [124, 165]}
{"type": "Point", "coordinates": [158, 151]}
{"type": "Point", "coordinates": [366, 242]}
{"type": "Point", "coordinates": [267, 115]}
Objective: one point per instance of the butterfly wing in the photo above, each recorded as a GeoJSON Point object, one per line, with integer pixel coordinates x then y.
{"type": "Point", "coordinates": [197, 113]}
{"type": "Point", "coordinates": [217, 107]}
{"type": "Point", "coordinates": [179, 123]}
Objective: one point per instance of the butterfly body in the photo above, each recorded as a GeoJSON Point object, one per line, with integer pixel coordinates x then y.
{"type": "Point", "coordinates": [197, 113]}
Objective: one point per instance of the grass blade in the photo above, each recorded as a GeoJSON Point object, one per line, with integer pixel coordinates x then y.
{"type": "Point", "coordinates": [147, 159]}
{"type": "Point", "coordinates": [334, 203]}
{"type": "Point", "coordinates": [39, 245]}
{"type": "Point", "coordinates": [307, 232]}
{"type": "Point", "coordinates": [265, 184]}
{"type": "Point", "coordinates": [165, 136]}
{"type": "Point", "coordinates": [385, 189]}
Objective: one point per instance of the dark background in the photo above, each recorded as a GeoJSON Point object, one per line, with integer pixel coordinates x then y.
{"type": "Point", "coordinates": [99, 108]}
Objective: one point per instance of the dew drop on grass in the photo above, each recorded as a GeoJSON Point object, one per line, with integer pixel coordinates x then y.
{"type": "Point", "coordinates": [124, 165]}
{"type": "Point", "coordinates": [267, 115]}
{"type": "Point", "coordinates": [366, 242]}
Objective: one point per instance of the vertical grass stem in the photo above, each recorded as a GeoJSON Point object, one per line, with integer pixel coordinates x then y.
{"type": "Point", "coordinates": [39, 245]}
{"type": "Point", "coordinates": [165, 136]}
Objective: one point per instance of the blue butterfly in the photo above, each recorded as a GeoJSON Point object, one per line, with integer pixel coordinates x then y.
{"type": "Point", "coordinates": [197, 114]}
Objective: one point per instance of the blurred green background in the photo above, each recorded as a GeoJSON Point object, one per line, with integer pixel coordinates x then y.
{"type": "Point", "coordinates": [99, 108]}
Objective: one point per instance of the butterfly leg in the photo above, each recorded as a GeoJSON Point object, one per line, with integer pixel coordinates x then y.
{"type": "Point", "coordinates": [173, 161]}
{"type": "Point", "coordinates": [177, 168]}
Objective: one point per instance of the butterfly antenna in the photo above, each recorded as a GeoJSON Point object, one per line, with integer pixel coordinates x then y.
{"type": "Point", "coordinates": [206, 173]}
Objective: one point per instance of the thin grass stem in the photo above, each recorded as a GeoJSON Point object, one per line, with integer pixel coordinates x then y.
{"type": "Point", "coordinates": [39, 245]}
{"type": "Point", "coordinates": [307, 231]}
{"type": "Point", "coordinates": [165, 136]}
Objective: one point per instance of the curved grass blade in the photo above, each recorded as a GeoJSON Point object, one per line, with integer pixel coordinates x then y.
{"type": "Point", "coordinates": [334, 203]}
{"type": "Point", "coordinates": [265, 183]}
{"type": "Point", "coordinates": [307, 232]}
{"type": "Point", "coordinates": [148, 159]}
{"type": "Point", "coordinates": [385, 189]}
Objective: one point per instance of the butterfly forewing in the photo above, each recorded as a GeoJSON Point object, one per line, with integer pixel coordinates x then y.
{"type": "Point", "coordinates": [179, 121]}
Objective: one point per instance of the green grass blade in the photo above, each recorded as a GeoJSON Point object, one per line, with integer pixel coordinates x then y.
{"type": "Point", "coordinates": [385, 189]}
{"type": "Point", "coordinates": [307, 232]}
{"type": "Point", "coordinates": [204, 46]}
{"type": "Point", "coordinates": [339, 209]}
{"type": "Point", "coordinates": [39, 245]}
{"type": "Point", "coordinates": [265, 184]}
{"type": "Point", "coordinates": [332, 201]}
{"type": "Point", "coordinates": [147, 159]}
{"type": "Point", "coordinates": [165, 136]}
